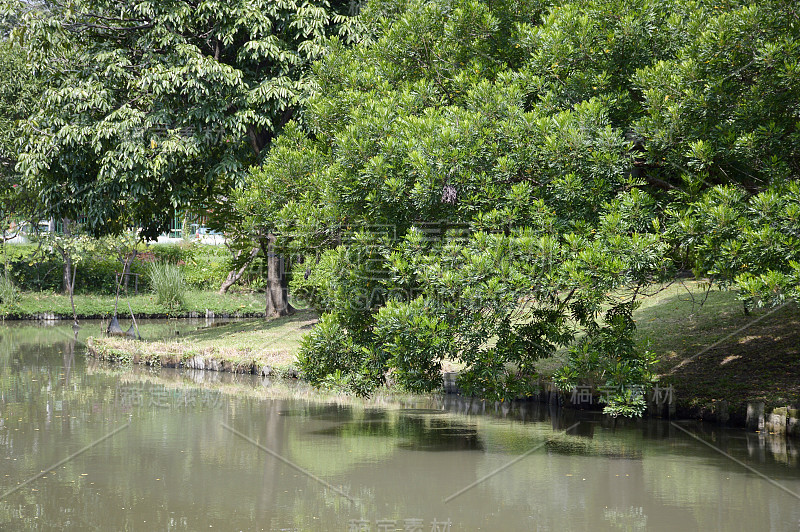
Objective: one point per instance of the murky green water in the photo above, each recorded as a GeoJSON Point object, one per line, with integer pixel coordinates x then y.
{"type": "Point", "coordinates": [181, 457]}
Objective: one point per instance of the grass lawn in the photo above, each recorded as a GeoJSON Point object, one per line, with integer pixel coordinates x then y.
{"type": "Point", "coordinates": [256, 336]}
{"type": "Point", "coordinates": [709, 350]}
{"type": "Point", "coordinates": [242, 346]}
{"type": "Point", "coordinates": [144, 305]}
{"type": "Point", "coordinates": [713, 351]}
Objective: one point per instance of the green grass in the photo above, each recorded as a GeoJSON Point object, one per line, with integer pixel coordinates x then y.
{"type": "Point", "coordinates": [709, 350]}
{"type": "Point", "coordinates": [167, 282]}
{"type": "Point", "coordinates": [281, 334]}
{"type": "Point", "coordinates": [240, 347]}
{"type": "Point", "coordinates": [144, 305]}
{"type": "Point", "coordinates": [713, 351]}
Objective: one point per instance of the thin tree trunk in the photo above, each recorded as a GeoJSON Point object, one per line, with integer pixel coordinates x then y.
{"type": "Point", "coordinates": [67, 272]}
{"type": "Point", "coordinates": [70, 271]}
{"type": "Point", "coordinates": [72, 296]}
{"type": "Point", "coordinates": [277, 283]}
{"type": "Point", "coordinates": [5, 255]}
{"type": "Point", "coordinates": [67, 258]}
{"type": "Point", "coordinates": [126, 267]}
{"type": "Point", "coordinates": [235, 275]}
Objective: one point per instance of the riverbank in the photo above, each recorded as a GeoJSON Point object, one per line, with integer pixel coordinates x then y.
{"type": "Point", "coordinates": [198, 304]}
{"type": "Point", "coordinates": [259, 347]}
{"type": "Point", "coordinates": [715, 359]}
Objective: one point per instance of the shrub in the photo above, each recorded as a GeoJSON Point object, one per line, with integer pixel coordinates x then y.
{"type": "Point", "coordinates": [172, 253]}
{"type": "Point", "coordinates": [167, 282]}
{"type": "Point", "coordinates": [205, 266]}
{"type": "Point", "coordinates": [34, 271]}
{"type": "Point", "coordinates": [329, 354]}
{"type": "Point", "coordinates": [413, 344]}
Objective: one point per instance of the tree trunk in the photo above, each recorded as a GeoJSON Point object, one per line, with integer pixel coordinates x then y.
{"type": "Point", "coordinates": [126, 267]}
{"type": "Point", "coordinates": [235, 275]}
{"type": "Point", "coordinates": [67, 284]}
{"type": "Point", "coordinates": [69, 273]}
{"type": "Point", "coordinates": [277, 283]}
{"type": "Point", "coordinates": [72, 297]}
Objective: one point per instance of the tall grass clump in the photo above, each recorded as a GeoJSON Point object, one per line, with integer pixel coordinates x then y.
{"type": "Point", "coordinates": [166, 280]}
{"type": "Point", "coordinates": [9, 294]}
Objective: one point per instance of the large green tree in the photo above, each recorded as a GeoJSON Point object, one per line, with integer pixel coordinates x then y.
{"type": "Point", "coordinates": [446, 209]}
{"type": "Point", "coordinates": [160, 105]}
{"type": "Point", "coordinates": [487, 180]}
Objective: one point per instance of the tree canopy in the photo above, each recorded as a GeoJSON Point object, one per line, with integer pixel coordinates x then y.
{"type": "Point", "coordinates": [493, 181]}
{"type": "Point", "coordinates": [155, 106]}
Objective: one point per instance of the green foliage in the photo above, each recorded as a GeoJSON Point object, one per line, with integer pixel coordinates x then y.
{"type": "Point", "coordinates": [592, 49]}
{"type": "Point", "coordinates": [722, 109]}
{"type": "Point", "coordinates": [9, 294]}
{"type": "Point", "coordinates": [167, 282]}
{"type": "Point", "coordinates": [36, 269]}
{"type": "Point", "coordinates": [205, 266]}
{"type": "Point", "coordinates": [158, 105]}
{"type": "Point", "coordinates": [172, 253]}
{"type": "Point", "coordinates": [750, 242]}
{"type": "Point", "coordinates": [329, 357]}
{"type": "Point", "coordinates": [412, 343]}
{"type": "Point", "coordinates": [608, 356]}
{"type": "Point", "coordinates": [484, 181]}
{"type": "Point", "coordinates": [442, 213]}
{"type": "Point", "coordinates": [18, 92]}
{"type": "Point", "coordinates": [33, 270]}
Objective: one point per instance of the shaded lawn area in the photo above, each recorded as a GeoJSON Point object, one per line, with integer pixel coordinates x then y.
{"type": "Point", "coordinates": [756, 356]}
{"type": "Point", "coordinates": [713, 351]}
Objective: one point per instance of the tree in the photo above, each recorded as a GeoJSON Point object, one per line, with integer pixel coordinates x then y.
{"type": "Point", "coordinates": [723, 110]}
{"type": "Point", "coordinates": [18, 92]}
{"type": "Point", "coordinates": [443, 210]}
{"type": "Point", "coordinates": [722, 132]}
{"type": "Point", "coordinates": [160, 106]}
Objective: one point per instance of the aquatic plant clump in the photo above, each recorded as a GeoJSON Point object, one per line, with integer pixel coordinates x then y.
{"type": "Point", "coordinates": [167, 282]}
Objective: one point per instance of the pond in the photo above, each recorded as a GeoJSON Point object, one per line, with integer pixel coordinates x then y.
{"type": "Point", "coordinates": [87, 447]}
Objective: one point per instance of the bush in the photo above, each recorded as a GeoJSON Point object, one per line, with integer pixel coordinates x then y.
{"type": "Point", "coordinates": [31, 271]}
{"type": "Point", "coordinates": [205, 266]}
{"type": "Point", "coordinates": [167, 282]}
{"type": "Point", "coordinates": [328, 355]}
{"type": "Point", "coordinates": [413, 344]}
{"type": "Point", "coordinates": [36, 271]}
{"type": "Point", "coordinates": [171, 253]}
{"type": "Point", "coordinates": [96, 275]}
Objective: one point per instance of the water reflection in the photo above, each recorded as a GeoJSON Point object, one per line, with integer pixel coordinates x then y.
{"type": "Point", "coordinates": [177, 468]}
